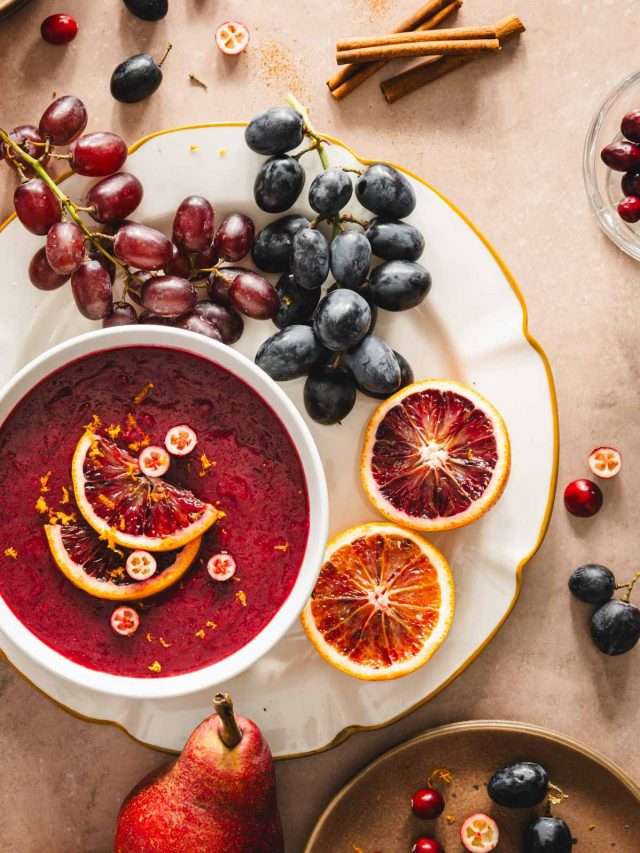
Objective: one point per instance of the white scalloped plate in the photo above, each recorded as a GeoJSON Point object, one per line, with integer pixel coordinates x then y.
{"type": "Point", "coordinates": [472, 328]}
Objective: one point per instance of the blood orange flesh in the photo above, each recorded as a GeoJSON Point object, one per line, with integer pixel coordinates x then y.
{"type": "Point", "coordinates": [383, 603]}
{"type": "Point", "coordinates": [436, 456]}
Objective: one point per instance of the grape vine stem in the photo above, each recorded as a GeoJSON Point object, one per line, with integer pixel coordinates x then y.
{"type": "Point", "coordinates": [64, 199]}
{"type": "Point", "coordinates": [311, 132]}
{"type": "Point", "coordinates": [629, 587]}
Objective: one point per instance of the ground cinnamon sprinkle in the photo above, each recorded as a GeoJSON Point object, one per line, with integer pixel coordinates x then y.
{"type": "Point", "coordinates": [279, 70]}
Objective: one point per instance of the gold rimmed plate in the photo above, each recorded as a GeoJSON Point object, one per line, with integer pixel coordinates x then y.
{"type": "Point", "coordinates": [372, 811]}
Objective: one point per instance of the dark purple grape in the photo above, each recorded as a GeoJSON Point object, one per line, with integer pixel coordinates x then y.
{"type": "Point", "coordinates": [29, 139]}
{"type": "Point", "coordinates": [395, 241]}
{"type": "Point", "coordinates": [253, 296]}
{"type": "Point", "coordinates": [399, 285]}
{"type": "Point", "coordinates": [63, 120]}
{"type": "Point", "coordinates": [290, 353]}
{"type": "Point", "coordinates": [615, 627]}
{"type": "Point", "coordinates": [143, 247]}
{"type": "Point", "coordinates": [350, 258]}
{"type": "Point", "coordinates": [114, 198]}
{"type": "Point", "coordinates": [385, 191]}
{"type": "Point", "coordinates": [406, 378]}
{"type": "Point", "coordinates": [148, 318]}
{"type": "Point", "coordinates": [227, 321]}
{"type": "Point", "coordinates": [65, 247]}
{"type": "Point", "coordinates": [193, 224]}
{"type": "Point", "coordinates": [179, 264]}
{"type": "Point", "coordinates": [341, 320]}
{"type": "Point", "coordinates": [272, 248]}
{"type": "Point", "coordinates": [36, 206]}
{"type": "Point", "coordinates": [310, 258]}
{"type": "Point", "coordinates": [622, 156]}
{"type": "Point", "coordinates": [41, 275]}
{"type": "Point", "coordinates": [98, 154]}
{"type": "Point", "coordinates": [278, 184]}
{"type": "Point", "coordinates": [275, 131]}
{"type": "Point", "coordinates": [234, 237]}
{"type": "Point", "coordinates": [136, 78]}
{"type": "Point", "coordinates": [630, 126]}
{"type": "Point", "coordinates": [592, 583]}
{"type": "Point", "coordinates": [329, 394]}
{"type": "Point", "coordinates": [122, 314]}
{"type": "Point", "coordinates": [197, 323]}
{"type": "Point", "coordinates": [548, 835]}
{"type": "Point", "coordinates": [92, 291]}
{"type": "Point", "coordinates": [631, 184]}
{"type": "Point", "coordinates": [374, 366]}
{"type": "Point", "coordinates": [330, 191]}
{"type": "Point", "coordinates": [168, 295]}
{"type": "Point", "coordinates": [148, 10]}
{"type": "Point", "coordinates": [296, 304]}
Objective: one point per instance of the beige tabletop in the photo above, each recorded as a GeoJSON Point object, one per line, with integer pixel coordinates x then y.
{"type": "Point", "coordinates": [504, 140]}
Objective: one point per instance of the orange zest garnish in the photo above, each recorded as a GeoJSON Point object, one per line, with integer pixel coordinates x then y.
{"type": "Point", "coordinates": [241, 595]}
{"type": "Point", "coordinates": [94, 423]}
{"type": "Point", "coordinates": [201, 634]}
{"type": "Point", "coordinates": [155, 666]}
{"type": "Point", "coordinates": [149, 637]}
{"type": "Point", "coordinates": [143, 393]}
{"type": "Point", "coordinates": [211, 624]}
{"type": "Point", "coordinates": [62, 517]}
{"type": "Point", "coordinates": [205, 464]}
{"type": "Point", "coordinates": [107, 536]}
{"type": "Point", "coordinates": [282, 548]}
{"type": "Point", "coordinates": [11, 552]}
{"type": "Point", "coordinates": [65, 495]}
{"type": "Point", "coordinates": [94, 450]}
{"type": "Point", "coordinates": [106, 501]}
{"type": "Point", "coordinates": [41, 505]}
{"type": "Point", "coordinates": [114, 430]}
{"type": "Point", "coordinates": [194, 148]}
{"type": "Point", "coordinates": [44, 487]}
{"type": "Point", "coordinates": [164, 643]}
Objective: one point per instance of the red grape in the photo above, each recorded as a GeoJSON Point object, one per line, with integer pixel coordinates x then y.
{"type": "Point", "coordinates": [114, 198]}
{"type": "Point", "coordinates": [122, 314]}
{"type": "Point", "coordinates": [65, 247]}
{"type": "Point", "coordinates": [143, 247]}
{"type": "Point", "coordinates": [96, 255]}
{"type": "Point", "coordinates": [63, 120]}
{"type": "Point", "coordinates": [227, 322]}
{"type": "Point", "coordinates": [36, 206]}
{"type": "Point", "coordinates": [196, 323]}
{"type": "Point", "coordinates": [148, 317]}
{"type": "Point", "coordinates": [254, 296]}
{"type": "Point", "coordinates": [234, 237]}
{"type": "Point", "coordinates": [41, 275]}
{"type": "Point", "coordinates": [179, 264]}
{"type": "Point", "coordinates": [98, 154]}
{"type": "Point", "coordinates": [28, 138]}
{"type": "Point", "coordinates": [220, 282]}
{"type": "Point", "coordinates": [205, 260]}
{"type": "Point", "coordinates": [168, 295]}
{"type": "Point", "coordinates": [193, 224]}
{"type": "Point", "coordinates": [59, 29]}
{"type": "Point", "coordinates": [91, 287]}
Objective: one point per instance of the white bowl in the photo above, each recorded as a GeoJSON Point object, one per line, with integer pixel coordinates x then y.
{"type": "Point", "coordinates": [223, 670]}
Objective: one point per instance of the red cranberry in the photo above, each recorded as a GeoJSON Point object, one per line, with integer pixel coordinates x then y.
{"type": "Point", "coordinates": [59, 29]}
{"type": "Point", "coordinates": [630, 126]}
{"type": "Point", "coordinates": [427, 845]}
{"type": "Point", "coordinates": [583, 498]}
{"type": "Point", "coordinates": [427, 803]}
{"type": "Point", "coordinates": [631, 183]}
{"type": "Point", "coordinates": [629, 209]}
{"type": "Point", "coordinates": [622, 156]}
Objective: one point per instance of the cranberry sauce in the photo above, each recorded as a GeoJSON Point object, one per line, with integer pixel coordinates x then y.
{"type": "Point", "coordinates": [244, 464]}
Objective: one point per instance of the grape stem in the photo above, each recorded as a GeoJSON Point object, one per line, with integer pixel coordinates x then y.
{"type": "Point", "coordinates": [629, 587]}
{"type": "Point", "coordinates": [347, 217]}
{"type": "Point", "coordinates": [310, 130]}
{"type": "Point", "coordinates": [64, 199]}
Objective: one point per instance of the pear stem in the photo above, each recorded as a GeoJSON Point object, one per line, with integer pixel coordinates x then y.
{"type": "Point", "coordinates": [229, 731]}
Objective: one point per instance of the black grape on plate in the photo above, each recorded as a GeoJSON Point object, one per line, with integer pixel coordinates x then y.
{"type": "Point", "coordinates": [350, 258]}
{"type": "Point", "coordinates": [309, 258]}
{"type": "Point", "coordinates": [272, 248]}
{"type": "Point", "coordinates": [290, 354]}
{"type": "Point", "coordinates": [329, 394]}
{"type": "Point", "coordinates": [296, 304]}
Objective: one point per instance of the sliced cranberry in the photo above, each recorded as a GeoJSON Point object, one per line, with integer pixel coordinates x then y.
{"type": "Point", "coordinates": [222, 566]}
{"type": "Point", "coordinates": [605, 462]}
{"type": "Point", "coordinates": [180, 440]}
{"type": "Point", "coordinates": [125, 621]}
{"type": "Point", "coordinates": [154, 461]}
{"type": "Point", "coordinates": [141, 565]}
{"type": "Point", "coordinates": [479, 833]}
{"type": "Point", "coordinates": [232, 37]}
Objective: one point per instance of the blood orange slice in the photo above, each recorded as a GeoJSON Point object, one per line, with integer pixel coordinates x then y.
{"type": "Point", "coordinates": [127, 508]}
{"type": "Point", "coordinates": [383, 603]}
{"type": "Point", "coordinates": [91, 565]}
{"type": "Point", "coordinates": [436, 456]}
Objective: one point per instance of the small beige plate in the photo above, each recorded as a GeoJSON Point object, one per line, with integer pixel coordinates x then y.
{"type": "Point", "coordinates": [7, 7]}
{"type": "Point", "coordinates": [372, 811]}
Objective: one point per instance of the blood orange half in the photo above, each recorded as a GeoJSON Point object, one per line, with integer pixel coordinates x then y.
{"type": "Point", "coordinates": [383, 603]}
{"type": "Point", "coordinates": [127, 508]}
{"type": "Point", "coordinates": [91, 565]}
{"type": "Point", "coordinates": [436, 456]}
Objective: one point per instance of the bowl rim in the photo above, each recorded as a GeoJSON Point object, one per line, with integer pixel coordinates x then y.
{"type": "Point", "coordinates": [591, 161]}
{"type": "Point", "coordinates": [212, 675]}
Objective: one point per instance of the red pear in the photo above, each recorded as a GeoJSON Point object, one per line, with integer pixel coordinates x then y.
{"type": "Point", "coordinates": [218, 796]}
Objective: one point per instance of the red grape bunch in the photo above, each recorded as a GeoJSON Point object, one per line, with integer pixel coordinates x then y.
{"type": "Point", "coordinates": [191, 281]}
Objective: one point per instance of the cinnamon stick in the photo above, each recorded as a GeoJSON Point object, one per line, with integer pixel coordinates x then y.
{"type": "Point", "coordinates": [426, 17]}
{"type": "Point", "coordinates": [418, 35]}
{"type": "Point", "coordinates": [451, 47]}
{"type": "Point", "coordinates": [433, 68]}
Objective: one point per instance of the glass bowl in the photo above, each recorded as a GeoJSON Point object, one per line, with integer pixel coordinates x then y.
{"type": "Point", "coordinates": [602, 183]}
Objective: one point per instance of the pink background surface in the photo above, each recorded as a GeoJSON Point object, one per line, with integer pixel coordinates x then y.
{"type": "Point", "coordinates": [504, 140]}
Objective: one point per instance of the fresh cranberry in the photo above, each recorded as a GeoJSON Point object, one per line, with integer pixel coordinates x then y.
{"type": "Point", "coordinates": [631, 183]}
{"type": "Point", "coordinates": [427, 803]}
{"type": "Point", "coordinates": [427, 845]}
{"type": "Point", "coordinates": [630, 126]}
{"type": "Point", "coordinates": [622, 156]}
{"type": "Point", "coordinates": [59, 29]}
{"type": "Point", "coordinates": [583, 498]}
{"type": "Point", "coordinates": [629, 209]}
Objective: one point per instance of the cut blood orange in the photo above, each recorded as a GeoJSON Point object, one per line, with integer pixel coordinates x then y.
{"type": "Point", "coordinates": [127, 508]}
{"type": "Point", "coordinates": [436, 456]}
{"type": "Point", "coordinates": [383, 603]}
{"type": "Point", "coordinates": [91, 565]}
